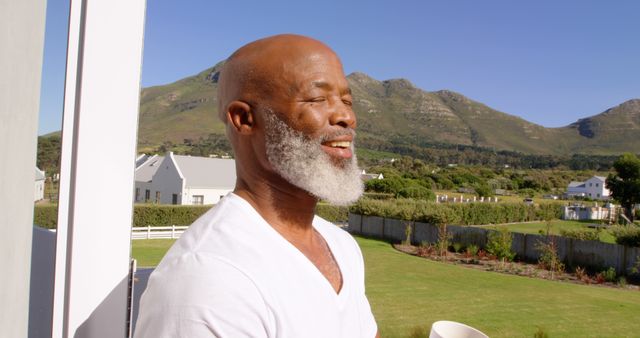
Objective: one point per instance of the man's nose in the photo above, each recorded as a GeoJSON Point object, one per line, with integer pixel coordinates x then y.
{"type": "Point", "coordinates": [343, 116]}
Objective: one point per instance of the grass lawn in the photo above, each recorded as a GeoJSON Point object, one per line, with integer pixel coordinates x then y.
{"type": "Point", "coordinates": [408, 292]}
{"type": "Point", "coordinates": [556, 226]}
{"type": "Point", "coordinates": [149, 252]}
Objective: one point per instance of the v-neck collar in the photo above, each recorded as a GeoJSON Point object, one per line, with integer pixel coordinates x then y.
{"type": "Point", "coordinates": [301, 257]}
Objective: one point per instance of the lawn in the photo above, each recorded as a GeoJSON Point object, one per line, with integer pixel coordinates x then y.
{"type": "Point", "coordinates": [149, 252]}
{"type": "Point", "coordinates": [407, 292]}
{"type": "Point", "coordinates": [556, 226]}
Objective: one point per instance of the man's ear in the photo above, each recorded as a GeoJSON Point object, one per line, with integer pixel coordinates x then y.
{"type": "Point", "coordinates": [240, 116]}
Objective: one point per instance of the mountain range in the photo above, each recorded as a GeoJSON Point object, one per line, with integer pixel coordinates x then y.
{"type": "Point", "coordinates": [397, 111]}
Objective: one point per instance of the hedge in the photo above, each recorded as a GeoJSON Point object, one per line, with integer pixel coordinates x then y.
{"type": "Point", "coordinates": [46, 216]}
{"type": "Point", "coordinates": [332, 213]}
{"type": "Point", "coordinates": [627, 235]}
{"type": "Point", "coordinates": [460, 213]}
{"type": "Point", "coordinates": [163, 215]}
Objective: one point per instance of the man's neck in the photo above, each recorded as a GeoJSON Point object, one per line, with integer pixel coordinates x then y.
{"type": "Point", "coordinates": [288, 209]}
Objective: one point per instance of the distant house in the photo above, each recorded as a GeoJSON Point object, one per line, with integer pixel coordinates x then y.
{"type": "Point", "coordinates": [593, 188]}
{"type": "Point", "coordinates": [365, 177]}
{"type": "Point", "coordinates": [39, 189]}
{"type": "Point", "coordinates": [146, 166]}
{"type": "Point", "coordinates": [183, 180]}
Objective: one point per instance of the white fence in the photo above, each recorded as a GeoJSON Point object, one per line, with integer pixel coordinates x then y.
{"type": "Point", "coordinates": [150, 232]}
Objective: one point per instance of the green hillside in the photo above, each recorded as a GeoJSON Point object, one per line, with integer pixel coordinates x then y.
{"type": "Point", "coordinates": [396, 111]}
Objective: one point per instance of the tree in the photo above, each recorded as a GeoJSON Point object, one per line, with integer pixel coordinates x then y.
{"type": "Point", "coordinates": [625, 183]}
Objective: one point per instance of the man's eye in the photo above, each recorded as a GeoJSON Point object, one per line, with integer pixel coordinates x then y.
{"type": "Point", "coordinates": [318, 99]}
{"type": "Point", "coordinates": [347, 102]}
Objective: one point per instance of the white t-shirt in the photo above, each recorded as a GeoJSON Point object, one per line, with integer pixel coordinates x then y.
{"type": "Point", "coordinates": [232, 275]}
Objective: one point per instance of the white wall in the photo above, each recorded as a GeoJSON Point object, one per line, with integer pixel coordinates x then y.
{"type": "Point", "coordinates": [143, 186]}
{"type": "Point", "coordinates": [168, 181]}
{"type": "Point", "coordinates": [39, 190]}
{"type": "Point", "coordinates": [21, 46]}
{"type": "Point", "coordinates": [211, 196]}
{"type": "Point", "coordinates": [595, 189]}
{"type": "Point", "coordinates": [102, 92]}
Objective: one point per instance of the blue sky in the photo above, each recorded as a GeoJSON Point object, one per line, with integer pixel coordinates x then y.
{"type": "Point", "coordinates": [549, 62]}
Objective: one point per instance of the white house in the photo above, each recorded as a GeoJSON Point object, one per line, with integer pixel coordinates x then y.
{"type": "Point", "coordinates": [39, 189]}
{"type": "Point", "coordinates": [365, 176]}
{"type": "Point", "coordinates": [146, 166]}
{"type": "Point", "coordinates": [593, 188]}
{"type": "Point", "coordinates": [184, 180]}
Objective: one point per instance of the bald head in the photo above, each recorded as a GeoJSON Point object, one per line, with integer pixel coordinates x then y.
{"type": "Point", "coordinates": [258, 71]}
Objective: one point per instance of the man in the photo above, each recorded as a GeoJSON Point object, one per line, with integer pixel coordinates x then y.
{"type": "Point", "coordinates": [260, 264]}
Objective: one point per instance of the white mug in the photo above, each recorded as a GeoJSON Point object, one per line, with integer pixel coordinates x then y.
{"type": "Point", "coordinates": [448, 329]}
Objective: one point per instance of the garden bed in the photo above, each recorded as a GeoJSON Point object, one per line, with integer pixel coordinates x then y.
{"type": "Point", "coordinates": [485, 262]}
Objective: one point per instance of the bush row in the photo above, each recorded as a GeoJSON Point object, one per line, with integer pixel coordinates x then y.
{"type": "Point", "coordinates": [332, 213]}
{"type": "Point", "coordinates": [164, 215]}
{"type": "Point", "coordinates": [462, 213]}
{"type": "Point", "coordinates": [46, 216]}
{"type": "Point", "coordinates": [627, 235]}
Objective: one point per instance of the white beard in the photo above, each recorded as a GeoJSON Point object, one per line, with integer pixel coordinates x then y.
{"type": "Point", "coordinates": [302, 162]}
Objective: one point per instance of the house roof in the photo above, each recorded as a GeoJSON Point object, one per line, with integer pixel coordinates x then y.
{"type": "Point", "coordinates": [146, 169]}
{"type": "Point", "coordinates": [600, 178]}
{"type": "Point", "coordinates": [575, 184]}
{"type": "Point", "coordinates": [39, 175]}
{"type": "Point", "coordinates": [141, 159]}
{"type": "Point", "coordinates": [205, 172]}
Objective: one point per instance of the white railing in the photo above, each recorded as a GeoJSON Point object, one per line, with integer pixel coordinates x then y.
{"type": "Point", "coordinates": [150, 232]}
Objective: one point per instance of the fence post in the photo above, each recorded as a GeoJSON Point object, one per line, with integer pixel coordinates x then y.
{"type": "Point", "coordinates": [173, 231]}
{"type": "Point", "coordinates": [148, 232]}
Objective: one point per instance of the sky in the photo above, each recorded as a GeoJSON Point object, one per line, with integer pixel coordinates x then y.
{"type": "Point", "coordinates": [549, 62]}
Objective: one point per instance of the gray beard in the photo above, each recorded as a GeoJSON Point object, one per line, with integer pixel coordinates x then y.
{"type": "Point", "coordinates": [302, 162]}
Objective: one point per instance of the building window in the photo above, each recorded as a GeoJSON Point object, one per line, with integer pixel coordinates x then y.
{"type": "Point", "coordinates": [174, 199]}
{"type": "Point", "coordinates": [157, 197]}
{"type": "Point", "coordinates": [197, 199]}
{"type": "Point", "coordinates": [598, 194]}
{"type": "Point", "coordinates": [137, 194]}
{"type": "Point", "coordinates": [596, 185]}
{"type": "Point", "coordinates": [590, 184]}
{"type": "Point", "coordinates": [147, 195]}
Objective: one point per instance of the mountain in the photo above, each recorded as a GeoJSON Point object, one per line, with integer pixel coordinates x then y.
{"type": "Point", "coordinates": [397, 111]}
{"type": "Point", "coordinates": [616, 129]}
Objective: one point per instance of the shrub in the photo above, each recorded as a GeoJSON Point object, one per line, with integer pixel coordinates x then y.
{"type": "Point", "coordinates": [163, 215]}
{"type": "Point", "coordinates": [627, 235]}
{"type": "Point", "coordinates": [378, 195]}
{"type": "Point", "coordinates": [599, 278]}
{"type": "Point", "coordinates": [46, 216]}
{"type": "Point", "coordinates": [549, 259]}
{"type": "Point", "coordinates": [443, 240]}
{"type": "Point", "coordinates": [457, 247]}
{"type": "Point", "coordinates": [417, 192]}
{"type": "Point", "coordinates": [582, 234]}
{"type": "Point", "coordinates": [499, 244]}
{"type": "Point", "coordinates": [460, 213]}
{"type": "Point", "coordinates": [425, 250]}
{"type": "Point", "coordinates": [332, 213]}
{"type": "Point", "coordinates": [581, 274]}
{"type": "Point", "coordinates": [610, 275]}
{"type": "Point", "coordinates": [472, 250]}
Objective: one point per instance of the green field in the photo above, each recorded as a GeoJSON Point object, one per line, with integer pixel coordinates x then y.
{"type": "Point", "coordinates": [149, 252]}
{"type": "Point", "coordinates": [408, 292]}
{"type": "Point", "coordinates": [556, 226]}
